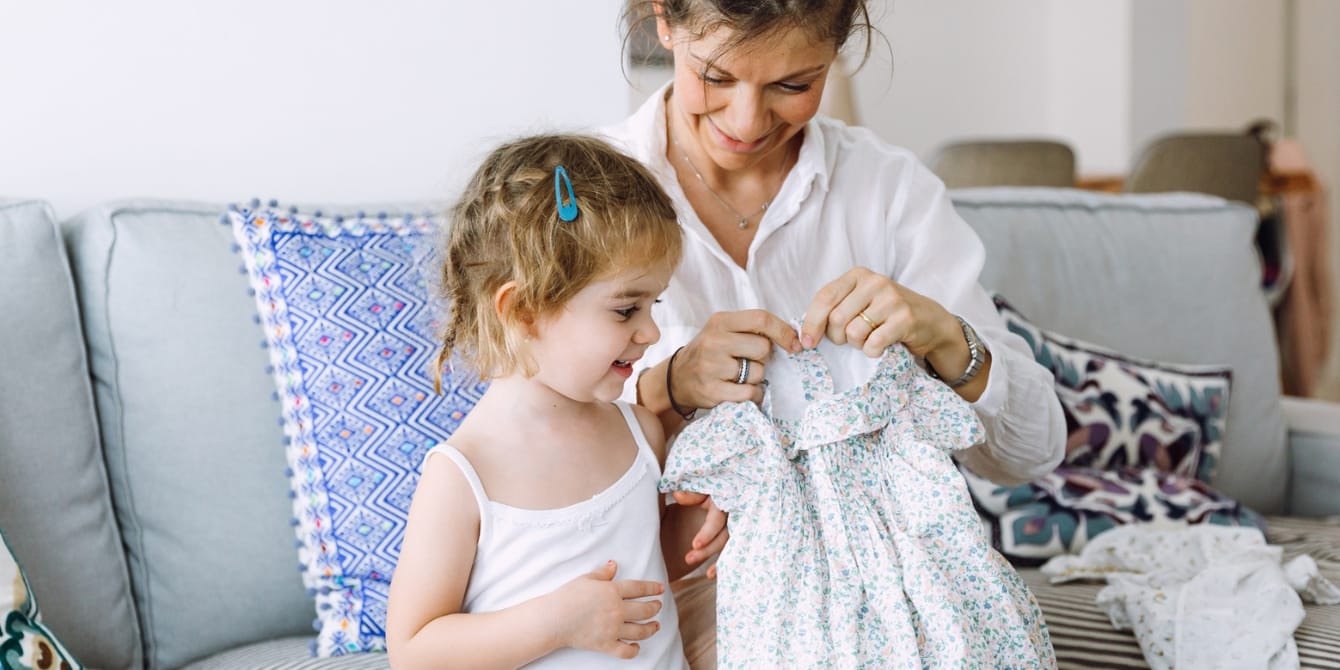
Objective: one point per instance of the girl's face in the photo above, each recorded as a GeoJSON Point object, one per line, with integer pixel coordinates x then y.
{"type": "Point", "coordinates": [587, 348]}
{"type": "Point", "coordinates": [753, 99]}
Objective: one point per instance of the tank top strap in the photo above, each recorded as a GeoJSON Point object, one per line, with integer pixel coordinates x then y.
{"type": "Point", "coordinates": [643, 447]}
{"type": "Point", "coordinates": [472, 477]}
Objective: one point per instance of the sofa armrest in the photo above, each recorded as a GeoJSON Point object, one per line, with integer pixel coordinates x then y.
{"type": "Point", "coordinates": [1314, 450]}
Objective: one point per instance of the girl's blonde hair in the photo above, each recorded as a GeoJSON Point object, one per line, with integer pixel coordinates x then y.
{"type": "Point", "coordinates": [506, 227]}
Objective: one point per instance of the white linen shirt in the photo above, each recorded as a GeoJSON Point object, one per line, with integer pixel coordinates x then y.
{"type": "Point", "coordinates": [854, 200]}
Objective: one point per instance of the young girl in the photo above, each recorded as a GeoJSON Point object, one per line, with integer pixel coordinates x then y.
{"type": "Point", "coordinates": [533, 537]}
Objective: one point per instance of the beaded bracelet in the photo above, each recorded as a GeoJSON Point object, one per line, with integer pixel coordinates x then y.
{"type": "Point", "coordinates": [671, 396]}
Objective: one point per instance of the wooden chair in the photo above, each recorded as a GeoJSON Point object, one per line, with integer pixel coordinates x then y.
{"type": "Point", "coordinates": [1229, 165]}
{"type": "Point", "coordinates": [1004, 163]}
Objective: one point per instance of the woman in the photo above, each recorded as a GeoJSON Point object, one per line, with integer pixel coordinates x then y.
{"type": "Point", "coordinates": [787, 213]}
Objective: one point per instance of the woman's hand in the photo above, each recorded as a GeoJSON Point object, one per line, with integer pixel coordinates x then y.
{"type": "Point", "coordinates": [711, 536]}
{"type": "Point", "coordinates": [599, 613]}
{"type": "Point", "coordinates": [871, 312]}
{"type": "Point", "coordinates": [707, 370]}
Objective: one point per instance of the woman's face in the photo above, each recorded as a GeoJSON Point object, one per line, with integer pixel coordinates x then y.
{"type": "Point", "coordinates": [753, 99]}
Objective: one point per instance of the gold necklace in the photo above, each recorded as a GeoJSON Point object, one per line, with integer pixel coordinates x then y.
{"type": "Point", "coordinates": [742, 220]}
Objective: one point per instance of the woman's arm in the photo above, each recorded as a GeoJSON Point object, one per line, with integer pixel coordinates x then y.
{"type": "Point", "coordinates": [425, 627]}
{"type": "Point", "coordinates": [943, 259]}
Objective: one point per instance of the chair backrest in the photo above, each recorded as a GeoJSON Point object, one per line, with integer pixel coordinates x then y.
{"type": "Point", "coordinates": [1229, 165]}
{"type": "Point", "coordinates": [1004, 163]}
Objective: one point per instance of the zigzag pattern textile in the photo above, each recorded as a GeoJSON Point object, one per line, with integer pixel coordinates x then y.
{"type": "Point", "coordinates": [351, 331]}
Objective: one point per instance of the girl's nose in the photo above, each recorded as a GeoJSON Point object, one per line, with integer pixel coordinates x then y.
{"type": "Point", "coordinates": [647, 333]}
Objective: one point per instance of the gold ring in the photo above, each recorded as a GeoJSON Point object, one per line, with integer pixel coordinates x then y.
{"type": "Point", "coordinates": [867, 321]}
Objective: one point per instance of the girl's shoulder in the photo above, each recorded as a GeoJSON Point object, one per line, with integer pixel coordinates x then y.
{"type": "Point", "coordinates": [652, 430]}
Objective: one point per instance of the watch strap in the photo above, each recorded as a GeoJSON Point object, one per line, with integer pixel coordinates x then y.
{"type": "Point", "coordinates": [976, 357]}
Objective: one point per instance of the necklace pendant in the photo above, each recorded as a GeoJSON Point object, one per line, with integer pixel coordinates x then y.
{"type": "Point", "coordinates": [744, 223]}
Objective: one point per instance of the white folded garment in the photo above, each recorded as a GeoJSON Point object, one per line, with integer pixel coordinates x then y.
{"type": "Point", "coordinates": [1200, 597]}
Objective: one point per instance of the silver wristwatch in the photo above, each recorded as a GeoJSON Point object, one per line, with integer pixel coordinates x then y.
{"type": "Point", "coordinates": [976, 357]}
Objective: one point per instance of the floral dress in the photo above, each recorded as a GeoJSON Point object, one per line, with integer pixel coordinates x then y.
{"type": "Point", "coordinates": [854, 543]}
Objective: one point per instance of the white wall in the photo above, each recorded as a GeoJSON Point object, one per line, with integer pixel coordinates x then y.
{"type": "Point", "coordinates": [1160, 68]}
{"type": "Point", "coordinates": [959, 68]}
{"type": "Point", "coordinates": [301, 100]}
{"type": "Point", "coordinates": [1090, 77]}
{"type": "Point", "coordinates": [1104, 75]}
{"type": "Point", "coordinates": [1318, 129]}
{"type": "Point", "coordinates": [1236, 62]}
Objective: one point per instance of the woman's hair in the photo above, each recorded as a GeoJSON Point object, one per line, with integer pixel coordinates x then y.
{"type": "Point", "coordinates": [506, 227]}
{"type": "Point", "coordinates": [832, 21]}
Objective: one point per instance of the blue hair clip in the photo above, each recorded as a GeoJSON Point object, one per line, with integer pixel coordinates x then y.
{"type": "Point", "coordinates": [569, 211]}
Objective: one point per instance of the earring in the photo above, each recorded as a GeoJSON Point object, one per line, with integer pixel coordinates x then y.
{"type": "Point", "coordinates": [665, 38]}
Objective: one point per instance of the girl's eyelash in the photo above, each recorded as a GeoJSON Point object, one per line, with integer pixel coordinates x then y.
{"type": "Point", "coordinates": [795, 88]}
{"type": "Point", "coordinates": [628, 312]}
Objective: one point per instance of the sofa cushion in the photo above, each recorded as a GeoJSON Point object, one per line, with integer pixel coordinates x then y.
{"type": "Point", "coordinates": [1162, 277]}
{"type": "Point", "coordinates": [53, 485]}
{"type": "Point", "coordinates": [292, 653]}
{"type": "Point", "coordinates": [191, 433]}
{"type": "Point", "coordinates": [353, 337]}
{"type": "Point", "coordinates": [1122, 412]}
{"type": "Point", "coordinates": [25, 642]}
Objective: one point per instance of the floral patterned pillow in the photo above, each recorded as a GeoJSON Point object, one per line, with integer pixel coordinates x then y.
{"type": "Point", "coordinates": [25, 642]}
{"type": "Point", "coordinates": [1061, 512]}
{"type": "Point", "coordinates": [1125, 412]}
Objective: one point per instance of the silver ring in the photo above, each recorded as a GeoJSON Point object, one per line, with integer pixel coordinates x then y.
{"type": "Point", "coordinates": [744, 371]}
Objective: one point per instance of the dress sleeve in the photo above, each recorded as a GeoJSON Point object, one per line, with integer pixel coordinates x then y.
{"type": "Point", "coordinates": [725, 455]}
{"type": "Point", "coordinates": [938, 255]}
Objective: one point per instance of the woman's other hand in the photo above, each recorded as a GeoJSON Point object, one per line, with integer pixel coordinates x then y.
{"type": "Point", "coordinates": [711, 536]}
{"type": "Point", "coordinates": [871, 312]}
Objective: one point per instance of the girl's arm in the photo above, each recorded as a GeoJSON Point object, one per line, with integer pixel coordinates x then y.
{"type": "Point", "coordinates": [425, 627]}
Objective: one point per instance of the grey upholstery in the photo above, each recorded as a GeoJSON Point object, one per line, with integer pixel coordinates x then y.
{"type": "Point", "coordinates": [1077, 263]}
{"type": "Point", "coordinates": [1229, 165]}
{"type": "Point", "coordinates": [53, 485]}
{"type": "Point", "coordinates": [191, 434]}
{"type": "Point", "coordinates": [1004, 163]}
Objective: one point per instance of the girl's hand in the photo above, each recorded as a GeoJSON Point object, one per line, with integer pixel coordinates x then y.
{"type": "Point", "coordinates": [706, 371]}
{"type": "Point", "coordinates": [871, 312]}
{"type": "Point", "coordinates": [711, 538]}
{"type": "Point", "coordinates": [598, 613]}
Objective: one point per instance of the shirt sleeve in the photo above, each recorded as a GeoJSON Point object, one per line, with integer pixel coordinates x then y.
{"type": "Point", "coordinates": [938, 255]}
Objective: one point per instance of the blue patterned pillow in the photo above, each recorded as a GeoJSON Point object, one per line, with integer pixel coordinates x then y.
{"type": "Point", "coordinates": [351, 329]}
{"type": "Point", "coordinates": [1124, 412]}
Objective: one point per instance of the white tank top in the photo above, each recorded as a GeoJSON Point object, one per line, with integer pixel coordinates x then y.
{"type": "Point", "coordinates": [526, 553]}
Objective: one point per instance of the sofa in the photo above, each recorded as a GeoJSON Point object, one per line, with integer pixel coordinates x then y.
{"type": "Point", "coordinates": [142, 475]}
